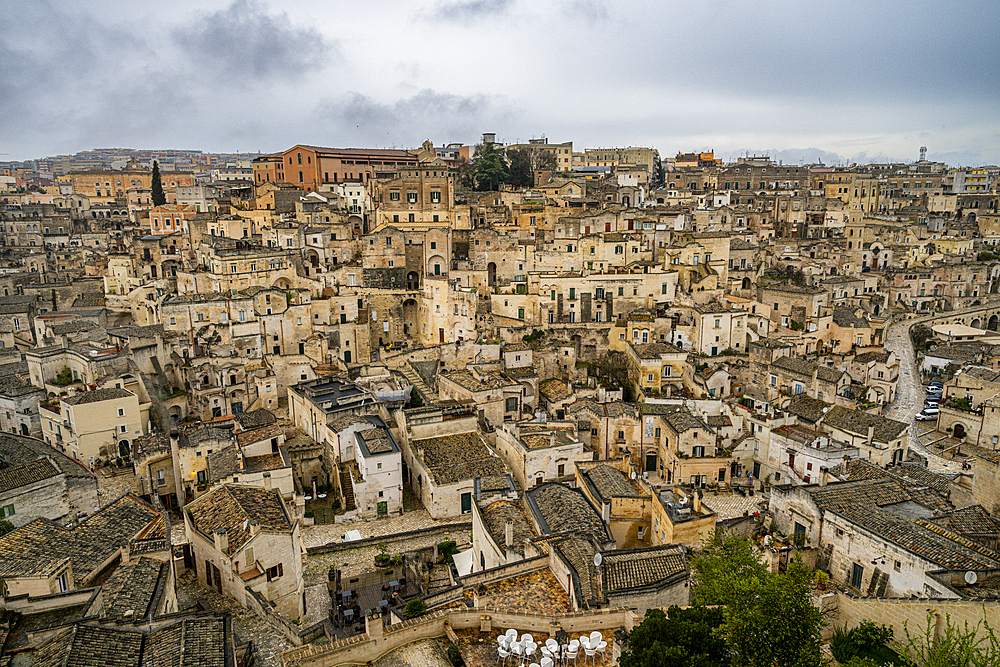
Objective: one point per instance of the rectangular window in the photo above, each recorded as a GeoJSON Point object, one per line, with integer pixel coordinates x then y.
{"type": "Point", "coordinates": [435, 197]}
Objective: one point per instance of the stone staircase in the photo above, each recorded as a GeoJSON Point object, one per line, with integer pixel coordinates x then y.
{"type": "Point", "coordinates": [413, 377]}
{"type": "Point", "coordinates": [347, 487]}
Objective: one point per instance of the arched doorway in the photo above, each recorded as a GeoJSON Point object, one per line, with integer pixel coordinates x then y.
{"type": "Point", "coordinates": [746, 283]}
{"type": "Point", "coordinates": [992, 323]}
{"type": "Point", "coordinates": [959, 431]}
{"type": "Point", "coordinates": [491, 274]}
{"type": "Point", "coordinates": [124, 449]}
{"type": "Point", "coordinates": [412, 281]}
{"type": "Point", "coordinates": [436, 266]}
{"type": "Point", "coordinates": [976, 323]}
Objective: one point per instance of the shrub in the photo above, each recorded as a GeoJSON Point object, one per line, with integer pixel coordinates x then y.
{"type": "Point", "coordinates": [447, 549]}
{"type": "Point", "coordinates": [455, 656]}
{"type": "Point", "coordinates": [415, 608]}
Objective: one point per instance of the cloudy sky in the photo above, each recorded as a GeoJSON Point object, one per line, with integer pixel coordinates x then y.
{"type": "Point", "coordinates": [844, 80]}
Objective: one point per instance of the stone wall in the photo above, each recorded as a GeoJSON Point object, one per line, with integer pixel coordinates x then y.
{"type": "Point", "coordinates": [907, 613]}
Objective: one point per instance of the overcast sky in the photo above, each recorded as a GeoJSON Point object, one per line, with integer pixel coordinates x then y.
{"type": "Point", "coordinates": [803, 80]}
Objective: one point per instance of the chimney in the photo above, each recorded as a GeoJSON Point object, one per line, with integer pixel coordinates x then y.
{"type": "Point", "coordinates": [696, 501]}
{"type": "Point", "coordinates": [254, 527]}
{"type": "Point", "coordinates": [824, 476]}
{"type": "Point", "coordinates": [267, 481]}
{"type": "Point", "coordinates": [508, 533]}
{"type": "Point", "coordinates": [175, 464]}
{"type": "Point", "coordinates": [221, 541]}
{"type": "Point", "coordinates": [552, 439]}
{"type": "Point", "coordinates": [871, 434]}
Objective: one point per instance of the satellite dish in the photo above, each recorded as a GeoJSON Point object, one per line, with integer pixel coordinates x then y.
{"type": "Point", "coordinates": [970, 577]}
{"type": "Point", "coordinates": [598, 559]}
{"type": "Point", "coordinates": [632, 474]}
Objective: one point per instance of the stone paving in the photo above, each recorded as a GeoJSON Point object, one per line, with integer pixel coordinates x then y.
{"type": "Point", "coordinates": [730, 506]}
{"type": "Point", "coordinates": [248, 626]}
{"type": "Point", "coordinates": [423, 653]}
{"type": "Point", "coordinates": [537, 592]}
{"type": "Point", "coordinates": [110, 486]}
{"type": "Point", "coordinates": [313, 536]}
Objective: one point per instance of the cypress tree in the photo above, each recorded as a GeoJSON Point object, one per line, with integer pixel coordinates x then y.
{"type": "Point", "coordinates": [159, 199]}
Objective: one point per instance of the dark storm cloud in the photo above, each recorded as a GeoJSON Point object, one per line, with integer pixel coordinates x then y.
{"type": "Point", "coordinates": [245, 38]}
{"type": "Point", "coordinates": [467, 10]}
{"type": "Point", "coordinates": [427, 114]}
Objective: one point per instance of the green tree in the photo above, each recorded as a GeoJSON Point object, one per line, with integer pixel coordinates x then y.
{"type": "Point", "coordinates": [724, 559]}
{"type": "Point", "coordinates": [159, 199]}
{"type": "Point", "coordinates": [5, 527]}
{"type": "Point", "coordinates": [680, 638]}
{"type": "Point", "coordinates": [521, 174]}
{"type": "Point", "coordinates": [769, 619]}
{"type": "Point", "coordinates": [489, 169]}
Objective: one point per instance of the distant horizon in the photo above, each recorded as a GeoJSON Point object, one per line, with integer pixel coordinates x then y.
{"type": "Point", "coordinates": [808, 156]}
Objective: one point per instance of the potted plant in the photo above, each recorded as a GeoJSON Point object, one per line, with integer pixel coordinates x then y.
{"type": "Point", "coordinates": [397, 559]}
{"type": "Point", "coordinates": [822, 579]}
{"type": "Point", "coordinates": [382, 557]}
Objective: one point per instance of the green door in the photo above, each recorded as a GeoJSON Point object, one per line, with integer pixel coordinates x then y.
{"type": "Point", "coordinates": [466, 503]}
{"type": "Point", "coordinates": [382, 508]}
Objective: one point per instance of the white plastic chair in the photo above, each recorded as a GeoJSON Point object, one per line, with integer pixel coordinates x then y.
{"type": "Point", "coordinates": [596, 637]}
{"type": "Point", "coordinates": [591, 652]}
{"type": "Point", "coordinates": [572, 652]}
{"type": "Point", "coordinates": [511, 633]}
{"type": "Point", "coordinates": [526, 638]}
{"type": "Point", "coordinates": [502, 654]}
{"type": "Point", "coordinates": [529, 649]}
{"type": "Point", "coordinates": [502, 640]}
{"type": "Point", "coordinates": [600, 649]}
{"type": "Point", "coordinates": [546, 662]}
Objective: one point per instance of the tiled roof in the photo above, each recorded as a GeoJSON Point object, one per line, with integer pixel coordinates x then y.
{"type": "Point", "coordinates": [555, 389]}
{"type": "Point", "coordinates": [26, 473]}
{"type": "Point", "coordinates": [497, 513]}
{"type": "Point", "coordinates": [610, 482]}
{"type": "Point", "coordinates": [810, 409]}
{"type": "Point", "coordinates": [804, 368]}
{"type": "Point", "coordinates": [229, 507]}
{"type": "Point", "coordinates": [634, 568]}
{"type": "Point", "coordinates": [459, 456]}
{"type": "Point", "coordinates": [255, 419]}
{"type": "Point", "coordinates": [223, 463]}
{"type": "Point", "coordinates": [561, 508]}
{"type": "Point", "coordinates": [917, 474]}
{"type": "Point", "coordinates": [106, 394]}
{"type": "Point", "coordinates": [845, 317]}
{"type": "Point", "coordinates": [263, 433]}
{"type": "Point", "coordinates": [376, 441]}
{"type": "Point", "coordinates": [857, 423]}
{"type": "Point", "coordinates": [263, 462]}
{"type": "Point", "coordinates": [969, 521]}
{"type": "Point", "coordinates": [36, 548]}
{"type": "Point", "coordinates": [579, 552]}
{"type": "Point", "coordinates": [654, 350]}
{"type": "Point", "coordinates": [200, 641]}
{"type": "Point", "coordinates": [132, 588]}
{"type": "Point", "coordinates": [880, 356]}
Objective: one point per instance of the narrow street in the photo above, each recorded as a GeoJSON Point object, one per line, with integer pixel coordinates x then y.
{"type": "Point", "coordinates": [910, 394]}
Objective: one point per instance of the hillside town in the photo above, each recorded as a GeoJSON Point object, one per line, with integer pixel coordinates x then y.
{"type": "Point", "coordinates": [479, 401]}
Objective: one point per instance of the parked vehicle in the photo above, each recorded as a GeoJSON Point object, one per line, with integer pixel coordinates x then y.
{"type": "Point", "coordinates": [933, 400]}
{"type": "Point", "coordinates": [935, 388]}
{"type": "Point", "coordinates": [927, 414]}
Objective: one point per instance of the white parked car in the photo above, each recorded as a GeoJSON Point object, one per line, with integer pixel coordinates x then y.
{"type": "Point", "coordinates": [928, 414]}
